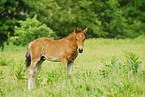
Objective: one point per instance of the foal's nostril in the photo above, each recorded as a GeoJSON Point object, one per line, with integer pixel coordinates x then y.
{"type": "Point", "coordinates": [80, 50]}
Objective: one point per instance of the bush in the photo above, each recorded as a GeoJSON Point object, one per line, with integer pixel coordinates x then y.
{"type": "Point", "coordinates": [29, 30]}
{"type": "Point", "coordinates": [133, 62]}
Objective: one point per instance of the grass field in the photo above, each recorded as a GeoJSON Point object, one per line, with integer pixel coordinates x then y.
{"type": "Point", "coordinates": [106, 68]}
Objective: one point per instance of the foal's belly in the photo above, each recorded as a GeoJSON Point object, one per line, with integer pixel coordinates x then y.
{"type": "Point", "coordinates": [52, 58]}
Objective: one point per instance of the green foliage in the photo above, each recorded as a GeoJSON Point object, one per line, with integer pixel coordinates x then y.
{"type": "Point", "coordinates": [120, 18]}
{"type": "Point", "coordinates": [53, 76]}
{"type": "Point", "coordinates": [2, 76]}
{"type": "Point", "coordinates": [10, 12]}
{"type": "Point", "coordinates": [117, 66]}
{"type": "Point", "coordinates": [3, 61]}
{"type": "Point", "coordinates": [110, 18]}
{"type": "Point", "coordinates": [37, 7]}
{"type": "Point", "coordinates": [132, 62]}
{"type": "Point", "coordinates": [2, 92]}
{"type": "Point", "coordinates": [73, 14]}
{"type": "Point", "coordinates": [19, 72]}
{"type": "Point", "coordinates": [114, 65]}
{"type": "Point", "coordinates": [30, 30]}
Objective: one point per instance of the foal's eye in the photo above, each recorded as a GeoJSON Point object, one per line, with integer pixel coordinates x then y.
{"type": "Point", "coordinates": [76, 39]}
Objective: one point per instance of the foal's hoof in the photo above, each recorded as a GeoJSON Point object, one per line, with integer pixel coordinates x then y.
{"type": "Point", "coordinates": [31, 88]}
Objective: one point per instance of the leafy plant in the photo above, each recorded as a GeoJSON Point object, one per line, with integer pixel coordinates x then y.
{"type": "Point", "coordinates": [54, 76]}
{"type": "Point", "coordinates": [29, 30]}
{"type": "Point", "coordinates": [2, 76]}
{"type": "Point", "coordinates": [123, 87]}
{"type": "Point", "coordinates": [114, 66]}
{"type": "Point", "coordinates": [98, 93]}
{"type": "Point", "coordinates": [19, 72]}
{"type": "Point", "coordinates": [132, 62]}
{"type": "Point", "coordinates": [2, 93]}
{"type": "Point", "coordinates": [3, 61]}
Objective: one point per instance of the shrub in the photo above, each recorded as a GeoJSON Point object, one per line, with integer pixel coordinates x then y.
{"type": "Point", "coordinates": [29, 30]}
{"type": "Point", "coordinates": [132, 62]}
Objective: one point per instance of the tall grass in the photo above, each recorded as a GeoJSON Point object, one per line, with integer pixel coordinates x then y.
{"type": "Point", "coordinates": [107, 68]}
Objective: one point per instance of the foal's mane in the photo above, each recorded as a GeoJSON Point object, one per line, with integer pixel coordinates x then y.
{"type": "Point", "coordinates": [68, 35]}
{"type": "Point", "coordinates": [79, 30]}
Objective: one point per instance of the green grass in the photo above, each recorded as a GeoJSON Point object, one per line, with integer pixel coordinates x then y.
{"type": "Point", "coordinates": [106, 68]}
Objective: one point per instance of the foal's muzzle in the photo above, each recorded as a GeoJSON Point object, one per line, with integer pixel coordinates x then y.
{"type": "Point", "coordinates": [80, 50]}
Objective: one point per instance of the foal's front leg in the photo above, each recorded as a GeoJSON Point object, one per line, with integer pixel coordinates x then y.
{"type": "Point", "coordinates": [64, 62]}
{"type": "Point", "coordinates": [69, 66]}
{"type": "Point", "coordinates": [69, 69]}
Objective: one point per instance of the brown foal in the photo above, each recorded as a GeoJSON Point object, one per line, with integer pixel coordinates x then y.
{"type": "Point", "coordinates": [64, 50]}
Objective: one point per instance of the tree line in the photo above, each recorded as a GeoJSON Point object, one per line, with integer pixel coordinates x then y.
{"type": "Point", "coordinates": [104, 18]}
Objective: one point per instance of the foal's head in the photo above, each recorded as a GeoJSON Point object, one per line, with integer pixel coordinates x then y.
{"type": "Point", "coordinates": [80, 38]}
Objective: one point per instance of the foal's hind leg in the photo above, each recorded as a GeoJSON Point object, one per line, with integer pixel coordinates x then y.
{"type": "Point", "coordinates": [33, 69]}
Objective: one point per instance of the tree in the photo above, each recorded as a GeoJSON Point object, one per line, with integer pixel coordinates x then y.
{"type": "Point", "coordinates": [10, 12]}
{"type": "Point", "coordinates": [68, 14]}
{"type": "Point", "coordinates": [122, 18]}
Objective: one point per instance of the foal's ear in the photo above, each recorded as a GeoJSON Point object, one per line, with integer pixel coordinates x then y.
{"type": "Point", "coordinates": [85, 31]}
{"type": "Point", "coordinates": [76, 30]}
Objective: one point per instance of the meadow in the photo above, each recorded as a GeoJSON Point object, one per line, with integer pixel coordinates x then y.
{"type": "Point", "coordinates": [106, 68]}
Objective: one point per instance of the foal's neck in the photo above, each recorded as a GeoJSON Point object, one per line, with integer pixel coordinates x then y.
{"type": "Point", "coordinates": [71, 37]}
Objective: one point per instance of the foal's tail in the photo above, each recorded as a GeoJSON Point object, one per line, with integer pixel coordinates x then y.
{"type": "Point", "coordinates": [28, 57]}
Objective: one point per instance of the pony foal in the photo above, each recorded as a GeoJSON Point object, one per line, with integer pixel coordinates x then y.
{"type": "Point", "coordinates": [64, 50]}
